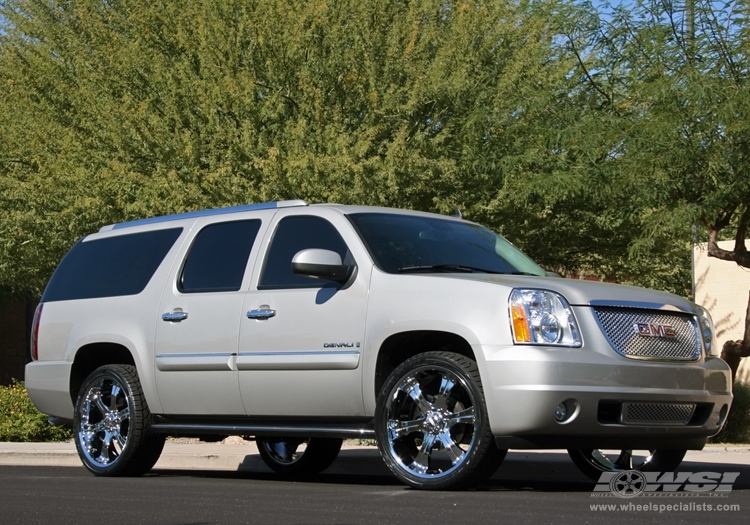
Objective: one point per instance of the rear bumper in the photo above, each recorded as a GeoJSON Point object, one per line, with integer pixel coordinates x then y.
{"type": "Point", "coordinates": [524, 386]}
{"type": "Point", "coordinates": [48, 385]}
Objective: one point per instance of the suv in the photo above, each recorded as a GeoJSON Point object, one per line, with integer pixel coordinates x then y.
{"type": "Point", "coordinates": [303, 325]}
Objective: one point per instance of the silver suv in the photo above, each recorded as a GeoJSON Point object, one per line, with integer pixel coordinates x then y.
{"type": "Point", "coordinates": [303, 325]}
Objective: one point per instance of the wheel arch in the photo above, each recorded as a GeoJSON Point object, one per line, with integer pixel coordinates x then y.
{"type": "Point", "coordinates": [399, 347]}
{"type": "Point", "coordinates": [93, 355]}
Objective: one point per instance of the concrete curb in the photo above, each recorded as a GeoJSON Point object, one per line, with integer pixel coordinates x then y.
{"type": "Point", "coordinates": [193, 456]}
{"type": "Point", "coordinates": [234, 457]}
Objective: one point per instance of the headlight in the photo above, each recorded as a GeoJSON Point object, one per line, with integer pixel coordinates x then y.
{"type": "Point", "coordinates": [542, 317]}
{"type": "Point", "coordinates": [707, 331]}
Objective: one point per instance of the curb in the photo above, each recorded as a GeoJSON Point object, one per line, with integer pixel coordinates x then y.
{"type": "Point", "coordinates": [232, 456]}
{"type": "Point", "coordinates": [176, 455]}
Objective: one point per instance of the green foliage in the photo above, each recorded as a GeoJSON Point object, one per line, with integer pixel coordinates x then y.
{"type": "Point", "coordinates": [21, 421]}
{"type": "Point", "coordinates": [119, 110]}
{"type": "Point", "coordinates": [593, 138]}
{"type": "Point", "coordinates": [667, 138]}
{"type": "Point", "coordinates": [361, 442]}
{"type": "Point", "coordinates": [737, 427]}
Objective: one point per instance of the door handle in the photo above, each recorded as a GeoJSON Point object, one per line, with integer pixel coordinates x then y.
{"type": "Point", "coordinates": [262, 314]}
{"type": "Point", "coordinates": [174, 317]}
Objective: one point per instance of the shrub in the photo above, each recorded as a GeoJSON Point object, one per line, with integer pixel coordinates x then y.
{"type": "Point", "coordinates": [737, 427]}
{"type": "Point", "coordinates": [21, 421]}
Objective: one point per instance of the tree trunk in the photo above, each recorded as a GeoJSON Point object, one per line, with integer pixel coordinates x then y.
{"type": "Point", "coordinates": [733, 351]}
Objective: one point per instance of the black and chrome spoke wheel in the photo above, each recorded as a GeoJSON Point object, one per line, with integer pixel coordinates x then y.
{"type": "Point", "coordinates": [431, 423]}
{"type": "Point", "coordinates": [111, 424]}
{"type": "Point", "coordinates": [298, 456]}
{"type": "Point", "coordinates": [594, 462]}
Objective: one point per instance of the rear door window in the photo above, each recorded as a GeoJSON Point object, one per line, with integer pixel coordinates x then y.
{"type": "Point", "coordinates": [218, 257]}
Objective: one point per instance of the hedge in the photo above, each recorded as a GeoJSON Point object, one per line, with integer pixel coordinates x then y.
{"type": "Point", "coordinates": [21, 421]}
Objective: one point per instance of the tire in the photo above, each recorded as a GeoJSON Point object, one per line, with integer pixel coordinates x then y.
{"type": "Point", "coordinates": [594, 462]}
{"type": "Point", "coordinates": [292, 457]}
{"type": "Point", "coordinates": [431, 423]}
{"type": "Point", "coordinates": [111, 424]}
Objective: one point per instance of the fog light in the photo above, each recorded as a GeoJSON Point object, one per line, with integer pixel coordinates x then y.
{"type": "Point", "coordinates": [561, 412]}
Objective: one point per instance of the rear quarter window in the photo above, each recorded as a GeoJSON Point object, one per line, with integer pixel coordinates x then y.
{"type": "Point", "coordinates": [114, 266]}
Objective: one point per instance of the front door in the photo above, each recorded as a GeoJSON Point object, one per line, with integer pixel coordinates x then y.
{"type": "Point", "coordinates": [300, 350]}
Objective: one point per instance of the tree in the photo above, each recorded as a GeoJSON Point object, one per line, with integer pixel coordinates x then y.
{"type": "Point", "coordinates": [518, 113]}
{"type": "Point", "coordinates": [670, 81]}
{"type": "Point", "coordinates": [119, 109]}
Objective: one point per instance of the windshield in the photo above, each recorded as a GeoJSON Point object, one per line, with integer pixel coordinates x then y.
{"type": "Point", "coordinates": [409, 243]}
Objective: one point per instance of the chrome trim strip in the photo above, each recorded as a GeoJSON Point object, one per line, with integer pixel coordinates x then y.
{"type": "Point", "coordinates": [222, 354]}
{"type": "Point", "coordinates": [269, 429]}
{"type": "Point", "coordinates": [313, 360]}
{"type": "Point", "coordinates": [195, 362]}
{"type": "Point", "coordinates": [642, 305]}
{"type": "Point", "coordinates": [312, 352]}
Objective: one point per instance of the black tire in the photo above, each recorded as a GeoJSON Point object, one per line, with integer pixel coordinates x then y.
{"type": "Point", "coordinates": [293, 457]}
{"type": "Point", "coordinates": [111, 424]}
{"type": "Point", "coordinates": [595, 462]}
{"type": "Point", "coordinates": [432, 426]}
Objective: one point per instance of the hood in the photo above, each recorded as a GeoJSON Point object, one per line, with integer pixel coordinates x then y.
{"type": "Point", "coordinates": [588, 293]}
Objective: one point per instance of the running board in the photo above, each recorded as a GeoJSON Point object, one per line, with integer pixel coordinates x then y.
{"type": "Point", "coordinates": [181, 426]}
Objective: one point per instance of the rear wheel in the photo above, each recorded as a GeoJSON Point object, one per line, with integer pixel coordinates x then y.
{"type": "Point", "coordinates": [432, 426]}
{"type": "Point", "coordinates": [298, 456]}
{"type": "Point", "coordinates": [111, 424]}
{"type": "Point", "coordinates": [594, 462]}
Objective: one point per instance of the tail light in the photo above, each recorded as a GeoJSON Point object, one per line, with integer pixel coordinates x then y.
{"type": "Point", "coordinates": [35, 332]}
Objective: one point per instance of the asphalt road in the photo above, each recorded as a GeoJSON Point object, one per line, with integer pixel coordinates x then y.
{"type": "Point", "coordinates": [357, 489]}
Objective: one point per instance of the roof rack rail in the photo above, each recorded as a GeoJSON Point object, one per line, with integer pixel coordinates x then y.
{"type": "Point", "coordinates": [205, 213]}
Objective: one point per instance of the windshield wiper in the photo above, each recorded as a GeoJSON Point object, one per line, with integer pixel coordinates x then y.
{"type": "Point", "coordinates": [444, 268]}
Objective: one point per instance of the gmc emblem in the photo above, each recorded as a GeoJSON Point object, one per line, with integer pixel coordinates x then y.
{"type": "Point", "coordinates": [655, 330]}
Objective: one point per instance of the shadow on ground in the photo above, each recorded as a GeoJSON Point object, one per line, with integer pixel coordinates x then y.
{"type": "Point", "coordinates": [521, 471]}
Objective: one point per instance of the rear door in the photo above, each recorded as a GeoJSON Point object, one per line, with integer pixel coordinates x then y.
{"type": "Point", "coordinates": [200, 314]}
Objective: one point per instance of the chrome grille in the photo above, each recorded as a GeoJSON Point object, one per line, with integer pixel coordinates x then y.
{"type": "Point", "coordinates": [673, 335]}
{"type": "Point", "coordinates": [657, 413]}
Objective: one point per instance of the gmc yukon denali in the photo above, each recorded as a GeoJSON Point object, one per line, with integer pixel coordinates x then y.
{"type": "Point", "coordinates": [301, 325]}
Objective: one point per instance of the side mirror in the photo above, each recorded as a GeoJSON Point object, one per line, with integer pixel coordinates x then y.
{"type": "Point", "coordinates": [323, 264]}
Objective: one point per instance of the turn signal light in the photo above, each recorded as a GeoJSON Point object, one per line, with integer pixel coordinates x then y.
{"type": "Point", "coordinates": [520, 324]}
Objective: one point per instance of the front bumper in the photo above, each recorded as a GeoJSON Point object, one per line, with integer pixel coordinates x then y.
{"type": "Point", "coordinates": [524, 385]}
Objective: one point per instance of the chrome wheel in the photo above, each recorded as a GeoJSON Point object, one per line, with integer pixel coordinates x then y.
{"type": "Point", "coordinates": [432, 425]}
{"type": "Point", "coordinates": [111, 424]}
{"type": "Point", "coordinates": [298, 456]}
{"type": "Point", "coordinates": [104, 416]}
{"type": "Point", "coordinates": [594, 462]}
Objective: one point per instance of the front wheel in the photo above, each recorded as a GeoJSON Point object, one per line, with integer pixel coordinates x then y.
{"type": "Point", "coordinates": [595, 462]}
{"type": "Point", "coordinates": [111, 424]}
{"type": "Point", "coordinates": [298, 456]}
{"type": "Point", "coordinates": [432, 426]}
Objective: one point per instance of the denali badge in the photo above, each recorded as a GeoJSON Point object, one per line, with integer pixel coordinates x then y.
{"type": "Point", "coordinates": [655, 330]}
{"type": "Point", "coordinates": [340, 345]}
